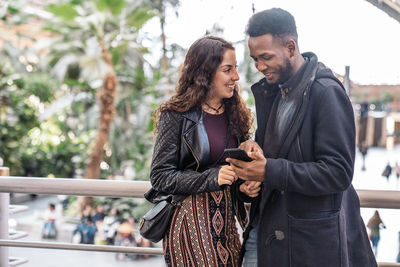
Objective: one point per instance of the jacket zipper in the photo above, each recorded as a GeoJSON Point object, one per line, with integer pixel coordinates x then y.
{"type": "Point", "coordinates": [194, 155]}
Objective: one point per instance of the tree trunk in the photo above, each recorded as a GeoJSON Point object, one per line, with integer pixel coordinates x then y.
{"type": "Point", "coordinates": [107, 110]}
{"type": "Point", "coordinates": [164, 63]}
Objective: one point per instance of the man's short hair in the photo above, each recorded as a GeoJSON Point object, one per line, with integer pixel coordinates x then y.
{"type": "Point", "coordinates": [275, 21]}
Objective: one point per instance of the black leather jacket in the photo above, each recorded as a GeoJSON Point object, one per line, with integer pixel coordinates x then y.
{"type": "Point", "coordinates": [180, 158]}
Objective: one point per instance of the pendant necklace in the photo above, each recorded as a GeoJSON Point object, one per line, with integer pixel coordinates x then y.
{"type": "Point", "coordinates": [215, 109]}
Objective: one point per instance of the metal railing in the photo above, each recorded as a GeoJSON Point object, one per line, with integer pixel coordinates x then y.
{"type": "Point", "coordinates": [64, 186]}
{"type": "Point", "coordinates": [129, 189]}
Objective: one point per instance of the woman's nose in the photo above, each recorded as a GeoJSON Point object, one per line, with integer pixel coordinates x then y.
{"type": "Point", "coordinates": [235, 76]}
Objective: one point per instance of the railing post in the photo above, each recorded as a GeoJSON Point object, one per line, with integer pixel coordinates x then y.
{"type": "Point", "coordinates": [4, 203]}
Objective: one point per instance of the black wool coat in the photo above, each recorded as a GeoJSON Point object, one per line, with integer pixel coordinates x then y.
{"type": "Point", "coordinates": [309, 211]}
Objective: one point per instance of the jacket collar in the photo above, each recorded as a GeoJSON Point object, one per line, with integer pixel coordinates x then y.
{"type": "Point", "coordinates": [194, 114]}
{"type": "Point", "coordinates": [294, 105]}
{"type": "Point", "coordinates": [294, 81]}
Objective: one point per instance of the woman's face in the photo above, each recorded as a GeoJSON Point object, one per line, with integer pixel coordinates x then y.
{"type": "Point", "coordinates": [225, 77]}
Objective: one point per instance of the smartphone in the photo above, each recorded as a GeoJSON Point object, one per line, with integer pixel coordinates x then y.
{"type": "Point", "coordinates": [237, 153]}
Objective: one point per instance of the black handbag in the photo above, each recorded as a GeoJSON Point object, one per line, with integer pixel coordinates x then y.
{"type": "Point", "coordinates": [156, 221]}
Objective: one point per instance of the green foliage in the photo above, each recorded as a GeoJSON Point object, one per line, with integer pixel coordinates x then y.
{"type": "Point", "coordinates": [49, 152]}
{"type": "Point", "coordinates": [65, 11]}
{"type": "Point", "coordinates": [386, 98]}
{"type": "Point", "coordinates": [114, 6]}
{"type": "Point", "coordinates": [132, 147]}
{"type": "Point", "coordinates": [118, 53]}
{"type": "Point", "coordinates": [48, 116]}
{"type": "Point", "coordinates": [137, 18]}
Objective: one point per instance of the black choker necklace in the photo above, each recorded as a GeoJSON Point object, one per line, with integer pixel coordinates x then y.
{"type": "Point", "coordinates": [215, 109]}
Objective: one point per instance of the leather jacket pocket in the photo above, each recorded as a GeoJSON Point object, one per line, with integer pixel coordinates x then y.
{"type": "Point", "coordinates": [314, 242]}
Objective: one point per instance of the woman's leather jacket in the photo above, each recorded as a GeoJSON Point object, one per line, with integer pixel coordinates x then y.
{"type": "Point", "coordinates": [180, 158]}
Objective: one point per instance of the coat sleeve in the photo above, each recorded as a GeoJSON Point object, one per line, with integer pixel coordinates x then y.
{"type": "Point", "coordinates": [333, 137]}
{"type": "Point", "coordinates": [165, 175]}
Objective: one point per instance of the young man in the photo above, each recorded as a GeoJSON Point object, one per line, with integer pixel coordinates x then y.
{"type": "Point", "coordinates": [308, 213]}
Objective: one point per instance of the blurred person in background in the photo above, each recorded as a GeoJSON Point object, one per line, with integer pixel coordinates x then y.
{"type": "Point", "coordinates": [375, 224]}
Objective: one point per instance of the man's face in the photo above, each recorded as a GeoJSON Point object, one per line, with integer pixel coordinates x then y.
{"type": "Point", "coordinates": [271, 57]}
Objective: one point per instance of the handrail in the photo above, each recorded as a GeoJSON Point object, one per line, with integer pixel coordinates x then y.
{"type": "Point", "coordinates": [84, 247]}
{"type": "Point", "coordinates": [77, 187]}
{"type": "Point", "coordinates": [122, 188]}
{"type": "Point", "coordinates": [383, 199]}
{"type": "Point", "coordinates": [388, 264]}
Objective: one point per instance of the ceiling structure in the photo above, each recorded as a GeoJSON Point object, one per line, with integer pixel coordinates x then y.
{"type": "Point", "coordinates": [390, 7]}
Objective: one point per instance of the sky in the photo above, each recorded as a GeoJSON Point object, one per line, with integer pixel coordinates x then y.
{"type": "Point", "coordinates": [340, 32]}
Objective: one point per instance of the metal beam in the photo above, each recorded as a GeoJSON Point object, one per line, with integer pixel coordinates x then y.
{"type": "Point", "coordinates": [379, 199]}
{"type": "Point", "coordinates": [75, 187]}
{"type": "Point", "coordinates": [388, 264]}
{"type": "Point", "coordinates": [82, 247]}
{"type": "Point", "coordinates": [390, 7]}
{"type": "Point", "coordinates": [112, 188]}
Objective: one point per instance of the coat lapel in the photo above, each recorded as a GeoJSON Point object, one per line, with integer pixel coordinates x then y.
{"type": "Point", "coordinates": [258, 92]}
{"type": "Point", "coordinates": [196, 138]}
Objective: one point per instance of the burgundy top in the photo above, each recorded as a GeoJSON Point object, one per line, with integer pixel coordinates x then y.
{"type": "Point", "coordinates": [217, 127]}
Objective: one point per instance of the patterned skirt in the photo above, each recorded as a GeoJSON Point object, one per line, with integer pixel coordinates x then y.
{"type": "Point", "coordinates": [203, 232]}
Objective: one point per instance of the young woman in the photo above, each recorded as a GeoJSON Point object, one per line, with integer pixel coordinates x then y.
{"type": "Point", "coordinates": [204, 116]}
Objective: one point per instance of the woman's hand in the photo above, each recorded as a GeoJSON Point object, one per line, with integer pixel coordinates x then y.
{"type": "Point", "coordinates": [226, 175]}
{"type": "Point", "coordinates": [250, 188]}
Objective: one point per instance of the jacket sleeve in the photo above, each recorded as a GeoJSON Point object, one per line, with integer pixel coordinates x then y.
{"type": "Point", "coordinates": [333, 137]}
{"type": "Point", "coordinates": [165, 175]}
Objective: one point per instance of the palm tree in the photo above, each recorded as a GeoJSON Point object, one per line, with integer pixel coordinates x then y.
{"type": "Point", "coordinates": [92, 37]}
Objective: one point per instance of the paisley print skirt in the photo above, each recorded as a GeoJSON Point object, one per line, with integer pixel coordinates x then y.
{"type": "Point", "coordinates": [203, 232]}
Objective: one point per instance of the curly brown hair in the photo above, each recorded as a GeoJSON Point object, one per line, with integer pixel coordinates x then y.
{"type": "Point", "coordinates": [196, 77]}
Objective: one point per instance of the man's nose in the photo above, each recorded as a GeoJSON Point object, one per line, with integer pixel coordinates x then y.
{"type": "Point", "coordinates": [261, 66]}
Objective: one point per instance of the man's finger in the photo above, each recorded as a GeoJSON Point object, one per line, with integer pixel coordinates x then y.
{"type": "Point", "coordinates": [256, 155]}
{"type": "Point", "coordinates": [240, 172]}
{"type": "Point", "coordinates": [236, 162]}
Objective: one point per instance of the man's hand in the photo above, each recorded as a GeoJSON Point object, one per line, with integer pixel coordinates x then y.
{"type": "Point", "coordinates": [250, 171]}
{"type": "Point", "coordinates": [226, 175]}
{"type": "Point", "coordinates": [250, 146]}
{"type": "Point", "coordinates": [250, 188]}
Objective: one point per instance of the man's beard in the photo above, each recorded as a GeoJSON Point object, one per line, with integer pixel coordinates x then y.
{"type": "Point", "coordinates": [286, 72]}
